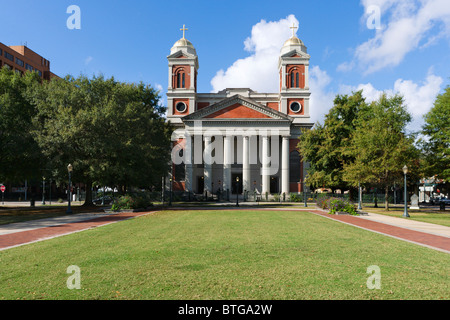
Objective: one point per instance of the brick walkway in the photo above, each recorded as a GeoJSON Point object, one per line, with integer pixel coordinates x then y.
{"type": "Point", "coordinates": [433, 241]}
{"type": "Point", "coordinates": [15, 239]}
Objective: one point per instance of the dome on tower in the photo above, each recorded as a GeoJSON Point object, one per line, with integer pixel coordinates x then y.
{"type": "Point", "coordinates": [184, 45]}
{"type": "Point", "coordinates": [293, 43]}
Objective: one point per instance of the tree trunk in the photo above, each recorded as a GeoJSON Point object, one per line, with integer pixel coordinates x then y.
{"type": "Point", "coordinates": [386, 198]}
{"type": "Point", "coordinates": [88, 200]}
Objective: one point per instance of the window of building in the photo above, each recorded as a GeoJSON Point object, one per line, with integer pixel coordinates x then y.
{"type": "Point", "coordinates": [181, 107]}
{"type": "Point", "coordinates": [8, 66]}
{"type": "Point", "coordinates": [39, 72]}
{"type": "Point", "coordinates": [19, 62]}
{"type": "Point", "coordinates": [28, 67]}
{"type": "Point", "coordinates": [295, 107]}
{"type": "Point", "coordinates": [9, 56]}
{"type": "Point", "coordinates": [181, 80]}
{"type": "Point", "coordinates": [297, 80]}
{"type": "Point", "coordinates": [1, 52]}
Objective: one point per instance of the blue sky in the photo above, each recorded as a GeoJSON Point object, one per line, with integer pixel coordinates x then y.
{"type": "Point", "coordinates": [130, 40]}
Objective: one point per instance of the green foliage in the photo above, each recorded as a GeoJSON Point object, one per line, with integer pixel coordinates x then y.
{"type": "Point", "coordinates": [140, 200]}
{"type": "Point", "coordinates": [436, 144]}
{"type": "Point", "coordinates": [294, 197]}
{"type": "Point", "coordinates": [20, 156]}
{"type": "Point", "coordinates": [325, 146]}
{"type": "Point", "coordinates": [112, 133]}
{"type": "Point", "coordinates": [335, 205]}
{"type": "Point", "coordinates": [380, 145]}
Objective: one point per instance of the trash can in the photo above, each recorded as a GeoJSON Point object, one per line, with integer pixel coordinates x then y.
{"type": "Point", "coordinates": [442, 206]}
{"type": "Point", "coordinates": [31, 202]}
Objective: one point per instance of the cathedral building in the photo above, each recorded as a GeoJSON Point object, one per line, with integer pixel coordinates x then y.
{"type": "Point", "coordinates": [238, 140]}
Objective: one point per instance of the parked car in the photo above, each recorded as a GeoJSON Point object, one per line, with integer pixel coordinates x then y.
{"type": "Point", "coordinates": [108, 200]}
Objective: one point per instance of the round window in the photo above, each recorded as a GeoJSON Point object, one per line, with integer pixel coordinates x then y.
{"type": "Point", "coordinates": [181, 107]}
{"type": "Point", "coordinates": [295, 107]}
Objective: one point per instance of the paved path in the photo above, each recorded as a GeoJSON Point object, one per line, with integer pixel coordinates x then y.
{"type": "Point", "coordinates": [17, 234]}
{"type": "Point", "coordinates": [426, 234]}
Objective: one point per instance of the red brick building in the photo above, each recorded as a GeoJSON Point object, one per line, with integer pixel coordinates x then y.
{"type": "Point", "coordinates": [22, 59]}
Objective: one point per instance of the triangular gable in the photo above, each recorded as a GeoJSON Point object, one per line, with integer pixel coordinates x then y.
{"type": "Point", "coordinates": [238, 111]}
{"type": "Point", "coordinates": [295, 54]}
{"type": "Point", "coordinates": [237, 107]}
{"type": "Point", "coordinates": [181, 54]}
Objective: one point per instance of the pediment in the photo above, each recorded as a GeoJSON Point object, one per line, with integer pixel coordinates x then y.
{"type": "Point", "coordinates": [296, 54]}
{"type": "Point", "coordinates": [181, 54]}
{"type": "Point", "coordinates": [237, 107]}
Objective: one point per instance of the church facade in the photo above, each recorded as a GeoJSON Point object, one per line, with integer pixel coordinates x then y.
{"type": "Point", "coordinates": [238, 140]}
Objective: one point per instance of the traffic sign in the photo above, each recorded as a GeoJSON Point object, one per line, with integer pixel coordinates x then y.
{"type": "Point", "coordinates": [3, 188]}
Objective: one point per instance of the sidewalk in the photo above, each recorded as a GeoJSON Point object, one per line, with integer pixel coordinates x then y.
{"type": "Point", "coordinates": [17, 234]}
{"type": "Point", "coordinates": [425, 234]}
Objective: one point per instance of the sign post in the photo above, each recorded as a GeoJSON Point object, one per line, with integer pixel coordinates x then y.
{"type": "Point", "coordinates": [3, 188]}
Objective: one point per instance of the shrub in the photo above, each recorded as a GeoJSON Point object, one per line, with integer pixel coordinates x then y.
{"type": "Point", "coordinates": [132, 201]}
{"type": "Point", "coordinates": [341, 205]}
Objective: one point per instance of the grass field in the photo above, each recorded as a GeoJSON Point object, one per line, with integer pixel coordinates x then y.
{"type": "Point", "coordinates": [218, 254]}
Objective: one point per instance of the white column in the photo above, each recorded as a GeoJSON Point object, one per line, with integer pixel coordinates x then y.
{"type": "Point", "coordinates": [245, 164]}
{"type": "Point", "coordinates": [188, 162]}
{"type": "Point", "coordinates": [207, 170]}
{"type": "Point", "coordinates": [285, 166]}
{"type": "Point", "coordinates": [306, 76]}
{"type": "Point", "coordinates": [265, 176]}
{"type": "Point", "coordinates": [227, 161]}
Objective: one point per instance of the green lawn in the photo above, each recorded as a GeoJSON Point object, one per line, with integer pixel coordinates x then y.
{"type": "Point", "coordinates": [219, 254]}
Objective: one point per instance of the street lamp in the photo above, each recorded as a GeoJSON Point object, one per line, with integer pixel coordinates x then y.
{"type": "Point", "coordinates": [304, 193]}
{"type": "Point", "coordinates": [170, 189]}
{"type": "Point", "coordinates": [237, 191]}
{"type": "Point", "coordinates": [405, 213]}
{"type": "Point", "coordinates": [43, 190]}
{"type": "Point", "coordinates": [69, 169]}
{"type": "Point", "coordinates": [359, 197]}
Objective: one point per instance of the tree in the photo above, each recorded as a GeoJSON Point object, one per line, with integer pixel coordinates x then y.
{"type": "Point", "coordinates": [20, 155]}
{"type": "Point", "coordinates": [325, 146]}
{"type": "Point", "coordinates": [112, 133]}
{"type": "Point", "coordinates": [436, 142]}
{"type": "Point", "coordinates": [380, 145]}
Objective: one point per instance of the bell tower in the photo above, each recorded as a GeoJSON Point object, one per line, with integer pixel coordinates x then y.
{"type": "Point", "coordinates": [182, 88]}
{"type": "Point", "coordinates": [293, 66]}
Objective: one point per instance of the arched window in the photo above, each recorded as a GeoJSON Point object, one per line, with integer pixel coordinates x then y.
{"type": "Point", "coordinates": [292, 80]}
{"type": "Point", "coordinates": [297, 80]}
{"type": "Point", "coordinates": [180, 78]}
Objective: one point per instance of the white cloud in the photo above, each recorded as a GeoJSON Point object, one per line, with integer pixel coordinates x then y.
{"type": "Point", "coordinates": [405, 25]}
{"type": "Point", "coordinates": [259, 70]}
{"type": "Point", "coordinates": [418, 97]}
{"type": "Point", "coordinates": [88, 60]}
{"type": "Point", "coordinates": [321, 100]}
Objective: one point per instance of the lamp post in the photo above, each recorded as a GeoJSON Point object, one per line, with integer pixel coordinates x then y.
{"type": "Point", "coordinates": [359, 197]}
{"type": "Point", "coordinates": [43, 190]}
{"type": "Point", "coordinates": [69, 169]}
{"type": "Point", "coordinates": [304, 193]}
{"type": "Point", "coordinates": [237, 191]}
{"type": "Point", "coordinates": [405, 213]}
{"type": "Point", "coordinates": [170, 188]}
